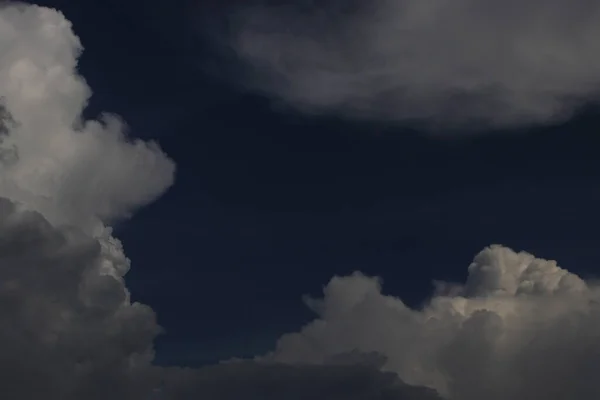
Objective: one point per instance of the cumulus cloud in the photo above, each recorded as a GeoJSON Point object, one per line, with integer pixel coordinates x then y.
{"type": "Point", "coordinates": [69, 331]}
{"type": "Point", "coordinates": [71, 170]}
{"type": "Point", "coordinates": [68, 328]}
{"type": "Point", "coordinates": [519, 328]}
{"type": "Point", "coordinates": [462, 64]}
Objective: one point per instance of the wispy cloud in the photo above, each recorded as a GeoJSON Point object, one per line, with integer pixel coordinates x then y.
{"type": "Point", "coordinates": [467, 64]}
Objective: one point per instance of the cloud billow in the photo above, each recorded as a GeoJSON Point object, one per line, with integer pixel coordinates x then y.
{"type": "Point", "coordinates": [68, 328]}
{"type": "Point", "coordinates": [519, 328]}
{"type": "Point", "coordinates": [467, 64]}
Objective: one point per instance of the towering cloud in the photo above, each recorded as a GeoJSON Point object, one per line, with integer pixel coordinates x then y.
{"type": "Point", "coordinates": [67, 326]}
{"type": "Point", "coordinates": [461, 64]}
{"type": "Point", "coordinates": [519, 328]}
{"type": "Point", "coordinates": [71, 170]}
{"type": "Point", "coordinates": [68, 329]}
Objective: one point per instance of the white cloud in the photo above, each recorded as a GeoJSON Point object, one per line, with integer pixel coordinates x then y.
{"type": "Point", "coordinates": [68, 329]}
{"type": "Point", "coordinates": [519, 328]}
{"type": "Point", "coordinates": [71, 170]}
{"type": "Point", "coordinates": [461, 64]}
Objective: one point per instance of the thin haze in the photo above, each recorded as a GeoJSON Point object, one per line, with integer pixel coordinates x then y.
{"type": "Point", "coordinates": [519, 328]}
{"type": "Point", "coordinates": [464, 64]}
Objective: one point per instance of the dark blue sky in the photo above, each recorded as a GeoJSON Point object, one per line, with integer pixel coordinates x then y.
{"type": "Point", "coordinates": [269, 204]}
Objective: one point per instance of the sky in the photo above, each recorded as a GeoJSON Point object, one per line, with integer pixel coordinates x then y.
{"type": "Point", "coordinates": [291, 200]}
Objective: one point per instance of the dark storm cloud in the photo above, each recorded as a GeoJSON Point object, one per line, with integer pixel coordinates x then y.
{"type": "Point", "coordinates": [250, 380]}
{"type": "Point", "coordinates": [463, 64]}
{"type": "Point", "coordinates": [67, 329]}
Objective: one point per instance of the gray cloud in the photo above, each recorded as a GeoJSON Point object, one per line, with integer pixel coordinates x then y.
{"type": "Point", "coordinates": [71, 170]}
{"type": "Point", "coordinates": [464, 64]}
{"type": "Point", "coordinates": [518, 328]}
{"type": "Point", "coordinates": [68, 329]}
{"type": "Point", "coordinates": [250, 380]}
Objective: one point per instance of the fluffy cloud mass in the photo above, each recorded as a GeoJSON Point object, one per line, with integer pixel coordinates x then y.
{"type": "Point", "coordinates": [68, 329]}
{"type": "Point", "coordinates": [519, 328]}
{"type": "Point", "coordinates": [73, 171]}
{"type": "Point", "coordinates": [464, 64]}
